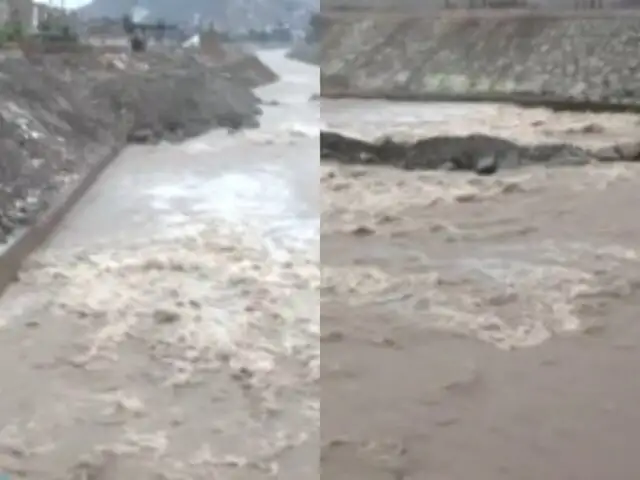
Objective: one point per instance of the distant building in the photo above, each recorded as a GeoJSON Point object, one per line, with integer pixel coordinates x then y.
{"type": "Point", "coordinates": [20, 11]}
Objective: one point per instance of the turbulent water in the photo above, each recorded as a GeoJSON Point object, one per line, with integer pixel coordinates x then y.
{"type": "Point", "coordinates": [477, 270]}
{"type": "Point", "coordinates": [171, 329]}
{"type": "Point", "coordinates": [487, 321]}
{"type": "Point", "coordinates": [477, 267]}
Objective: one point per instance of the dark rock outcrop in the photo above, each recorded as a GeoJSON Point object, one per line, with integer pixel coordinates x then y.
{"type": "Point", "coordinates": [306, 52]}
{"type": "Point", "coordinates": [482, 154]}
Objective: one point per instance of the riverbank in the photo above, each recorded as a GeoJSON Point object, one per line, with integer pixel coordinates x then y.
{"type": "Point", "coordinates": [65, 112]}
{"type": "Point", "coordinates": [581, 57]}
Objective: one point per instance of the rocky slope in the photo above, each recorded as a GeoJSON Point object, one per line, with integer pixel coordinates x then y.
{"type": "Point", "coordinates": [307, 49]}
{"type": "Point", "coordinates": [485, 55]}
{"type": "Point", "coordinates": [62, 112]}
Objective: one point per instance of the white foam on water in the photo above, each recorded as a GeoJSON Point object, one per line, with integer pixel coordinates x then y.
{"type": "Point", "coordinates": [260, 200]}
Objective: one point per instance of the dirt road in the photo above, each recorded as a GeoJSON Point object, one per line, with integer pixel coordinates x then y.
{"type": "Point", "coordinates": [170, 329]}
{"type": "Point", "coordinates": [479, 327]}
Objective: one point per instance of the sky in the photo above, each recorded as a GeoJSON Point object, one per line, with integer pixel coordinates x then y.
{"type": "Point", "coordinates": [67, 3]}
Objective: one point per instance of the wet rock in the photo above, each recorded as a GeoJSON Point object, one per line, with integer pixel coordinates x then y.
{"type": "Point", "coordinates": [482, 154]}
{"type": "Point", "coordinates": [143, 135]}
{"type": "Point", "coordinates": [363, 231]}
{"type": "Point", "coordinates": [163, 316]}
{"type": "Point", "coordinates": [448, 167]}
{"type": "Point", "coordinates": [487, 165]}
{"type": "Point", "coordinates": [625, 152]}
{"type": "Point", "coordinates": [334, 336]}
{"type": "Point", "coordinates": [590, 128]}
{"type": "Point", "coordinates": [305, 52]}
{"type": "Point", "coordinates": [629, 151]}
{"type": "Point", "coordinates": [7, 225]}
{"type": "Point", "coordinates": [607, 154]}
{"type": "Point", "coordinates": [386, 219]}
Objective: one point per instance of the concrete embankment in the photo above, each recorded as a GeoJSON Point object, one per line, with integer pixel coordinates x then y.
{"type": "Point", "coordinates": [584, 60]}
{"type": "Point", "coordinates": [65, 116]}
{"type": "Point", "coordinates": [64, 112]}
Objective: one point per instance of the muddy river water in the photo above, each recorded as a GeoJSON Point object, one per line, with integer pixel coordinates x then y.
{"type": "Point", "coordinates": [170, 329]}
{"type": "Point", "coordinates": [480, 327]}
{"type": "Point", "coordinates": [471, 327]}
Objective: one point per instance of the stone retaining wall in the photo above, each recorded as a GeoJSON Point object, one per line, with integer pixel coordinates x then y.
{"type": "Point", "coordinates": [575, 57]}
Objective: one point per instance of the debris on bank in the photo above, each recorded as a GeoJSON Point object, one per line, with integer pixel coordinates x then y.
{"type": "Point", "coordinates": [483, 154]}
{"type": "Point", "coordinates": [62, 112]}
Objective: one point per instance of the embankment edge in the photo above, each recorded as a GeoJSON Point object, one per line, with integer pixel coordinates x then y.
{"type": "Point", "coordinates": [37, 234]}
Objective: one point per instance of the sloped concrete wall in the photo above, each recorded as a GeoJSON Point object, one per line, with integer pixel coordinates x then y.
{"type": "Point", "coordinates": [582, 57]}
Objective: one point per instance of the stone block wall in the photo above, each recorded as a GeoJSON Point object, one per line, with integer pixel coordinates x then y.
{"type": "Point", "coordinates": [578, 57]}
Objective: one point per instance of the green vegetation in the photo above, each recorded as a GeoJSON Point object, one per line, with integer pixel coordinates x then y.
{"type": "Point", "coordinates": [10, 33]}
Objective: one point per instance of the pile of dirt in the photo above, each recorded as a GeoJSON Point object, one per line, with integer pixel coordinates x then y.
{"type": "Point", "coordinates": [483, 154]}
{"type": "Point", "coordinates": [62, 113]}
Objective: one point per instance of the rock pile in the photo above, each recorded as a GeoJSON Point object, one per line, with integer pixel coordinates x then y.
{"type": "Point", "coordinates": [483, 154]}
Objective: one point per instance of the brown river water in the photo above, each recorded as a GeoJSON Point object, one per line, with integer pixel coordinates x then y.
{"type": "Point", "coordinates": [480, 327]}
{"type": "Point", "coordinates": [470, 327]}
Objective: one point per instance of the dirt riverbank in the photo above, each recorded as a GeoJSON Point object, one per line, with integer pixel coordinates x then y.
{"type": "Point", "coordinates": [62, 112]}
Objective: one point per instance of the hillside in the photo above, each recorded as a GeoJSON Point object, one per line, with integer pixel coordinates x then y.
{"type": "Point", "coordinates": [226, 14]}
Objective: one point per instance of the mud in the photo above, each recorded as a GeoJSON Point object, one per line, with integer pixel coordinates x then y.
{"type": "Point", "coordinates": [477, 327]}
